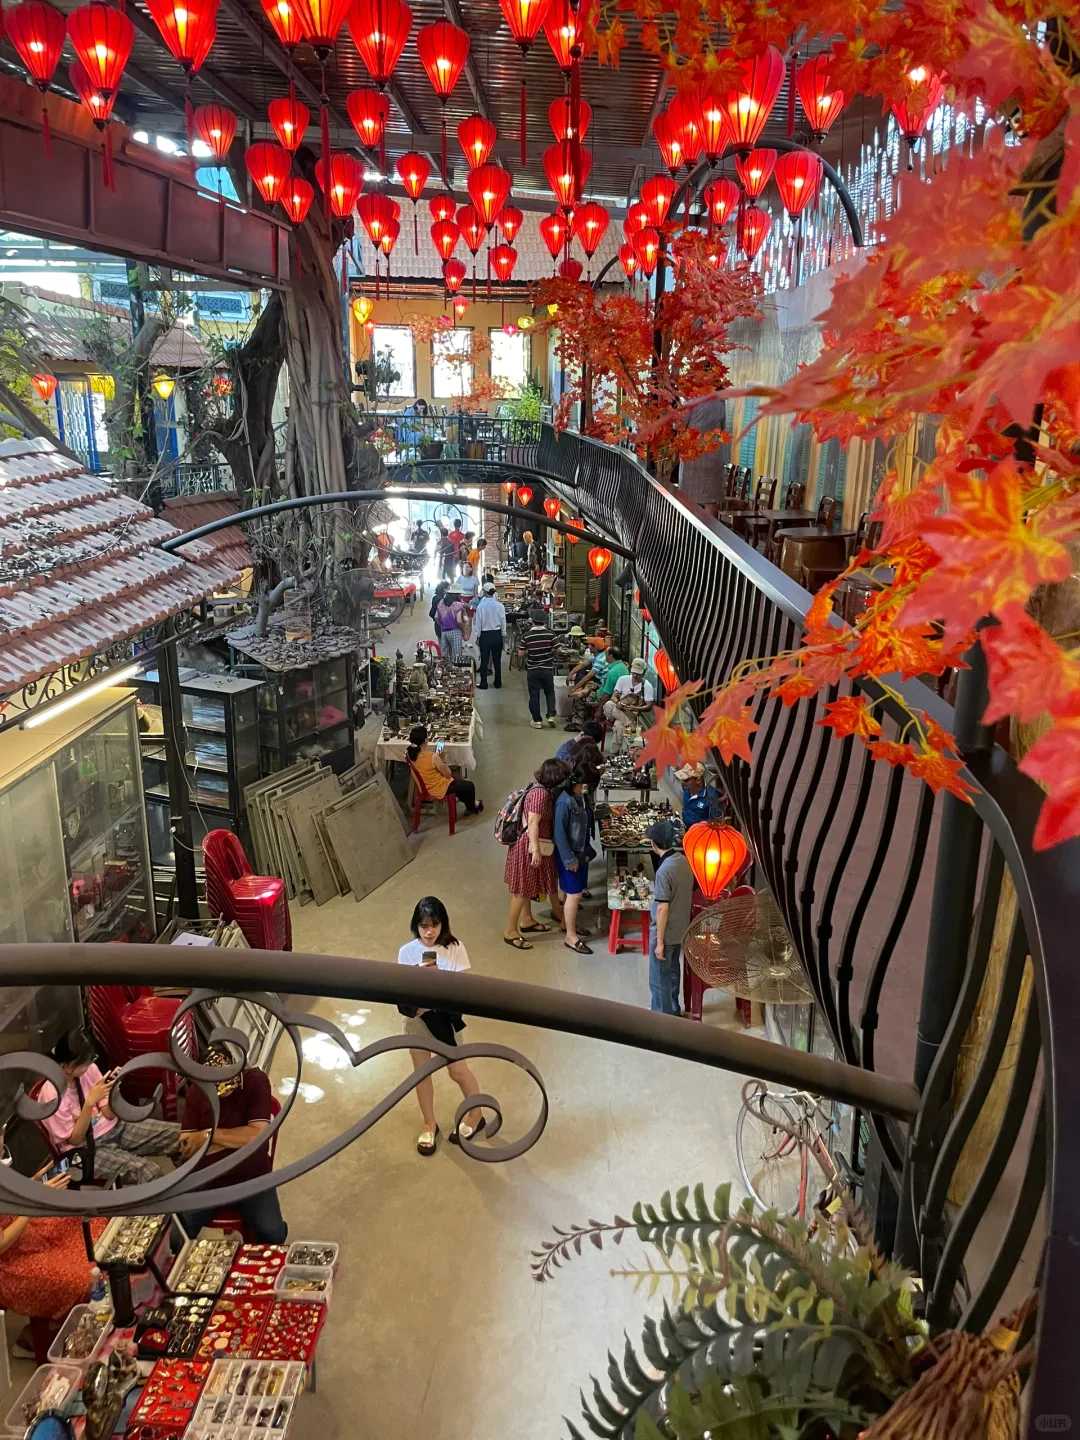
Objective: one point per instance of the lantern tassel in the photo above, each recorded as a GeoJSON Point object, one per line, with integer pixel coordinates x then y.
{"type": "Point", "coordinates": [791, 96]}
{"type": "Point", "coordinates": [46, 132]}
{"type": "Point", "coordinates": [107, 160]}
{"type": "Point", "coordinates": [523, 118]}
{"type": "Point", "coordinates": [415, 230]}
{"type": "Point", "coordinates": [344, 275]}
{"type": "Point", "coordinates": [444, 140]}
{"type": "Point", "coordinates": [489, 270]}
{"type": "Point", "coordinates": [189, 113]}
{"type": "Point", "coordinates": [474, 279]}
{"type": "Point", "coordinates": [324, 139]}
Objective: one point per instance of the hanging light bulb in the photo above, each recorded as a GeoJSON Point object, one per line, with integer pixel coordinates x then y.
{"type": "Point", "coordinates": [798, 179]}
{"type": "Point", "coordinates": [296, 199]}
{"type": "Point", "coordinates": [755, 170]}
{"type": "Point", "coordinates": [289, 120]}
{"type": "Point", "coordinates": [268, 165]}
{"type": "Point", "coordinates": [821, 101]}
{"type": "Point", "coordinates": [477, 137]}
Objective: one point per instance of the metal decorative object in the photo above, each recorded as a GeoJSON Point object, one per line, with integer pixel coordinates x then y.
{"type": "Point", "coordinates": [741, 945]}
{"type": "Point", "coordinates": [187, 1188]}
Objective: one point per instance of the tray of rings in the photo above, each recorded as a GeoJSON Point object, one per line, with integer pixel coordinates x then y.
{"type": "Point", "coordinates": [174, 1326]}
{"type": "Point", "coordinates": [254, 1270]}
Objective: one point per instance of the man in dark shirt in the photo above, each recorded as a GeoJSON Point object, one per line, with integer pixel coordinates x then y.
{"type": "Point", "coordinates": [245, 1108]}
{"type": "Point", "coordinates": [539, 648]}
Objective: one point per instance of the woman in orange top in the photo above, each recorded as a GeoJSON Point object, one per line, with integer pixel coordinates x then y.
{"type": "Point", "coordinates": [439, 780]}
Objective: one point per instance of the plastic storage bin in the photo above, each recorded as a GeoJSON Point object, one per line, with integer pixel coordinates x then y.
{"type": "Point", "coordinates": [56, 1349]}
{"type": "Point", "coordinates": [305, 1282]}
{"type": "Point", "coordinates": [15, 1422]}
{"type": "Point", "coordinates": [298, 1247]}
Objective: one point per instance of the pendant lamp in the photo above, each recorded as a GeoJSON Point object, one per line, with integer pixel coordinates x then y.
{"type": "Point", "coordinates": [716, 853]}
{"type": "Point", "coordinates": [442, 207]}
{"type": "Point", "coordinates": [551, 508]}
{"type": "Point", "coordinates": [577, 524]}
{"type": "Point", "coordinates": [590, 226]}
{"type": "Point", "coordinates": [321, 22]}
{"type": "Point", "coordinates": [375, 214]}
{"type": "Point", "coordinates": [101, 37]}
{"type": "Point", "coordinates": [754, 226]}
{"type": "Point", "coordinates": [571, 269]}
{"type": "Point", "coordinates": [379, 29]}
{"type": "Point", "coordinates": [341, 181]}
{"type": "Point", "coordinates": [443, 49]}
{"type": "Point", "coordinates": [755, 170]}
{"type": "Point", "coordinates": [477, 137]}
{"type": "Point", "coordinates": [503, 260]}
{"type": "Point", "coordinates": [369, 111]}
{"type": "Point", "coordinates": [712, 123]}
{"type": "Point", "coordinates": [524, 17]}
{"type": "Point", "coordinates": [912, 109]}
{"type": "Point", "coordinates": [489, 189]}
{"type": "Point", "coordinates": [821, 101]}
{"type": "Point", "coordinates": [510, 221]}
{"type": "Point", "coordinates": [567, 172]}
{"type": "Point", "coordinates": [562, 127]}
{"type": "Point", "coordinates": [268, 165]}
{"type": "Point", "coordinates": [296, 200]}
{"type": "Point", "coordinates": [473, 230]}
{"type": "Point", "coordinates": [721, 196]}
{"type": "Point", "coordinates": [98, 105]}
{"type": "Point", "coordinates": [454, 274]}
{"type": "Point", "coordinates": [289, 120]}
{"type": "Point", "coordinates": [45, 384]}
{"type": "Point", "coordinates": [413, 170]}
{"type": "Point", "coordinates": [600, 557]}
{"type": "Point", "coordinates": [683, 112]}
{"type": "Point", "coordinates": [284, 21]}
{"type": "Point", "coordinates": [628, 259]}
{"type": "Point", "coordinates": [216, 128]}
{"type": "Point", "coordinates": [564, 26]}
{"type": "Point", "coordinates": [37, 32]}
{"type": "Point", "coordinates": [189, 28]}
{"type": "Point", "coordinates": [646, 245]}
{"type": "Point", "coordinates": [460, 306]}
{"type": "Point", "coordinates": [656, 195]}
{"type": "Point", "coordinates": [668, 134]}
{"type": "Point", "coordinates": [666, 670]}
{"type": "Point", "coordinates": [798, 178]}
{"type": "Point", "coordinates": [637, 218]}
{"type": "Point", "coordinates": [524, 495]}
{"type": "Point", "coordinates": [553, 231]}
{"type": "Point", "coordinates": [749, 104]}
{"type": "Point", "coordinates": [445, 236]}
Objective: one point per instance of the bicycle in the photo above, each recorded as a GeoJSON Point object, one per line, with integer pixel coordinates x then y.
{"type": "Point", "coordinates": [777, 1134]}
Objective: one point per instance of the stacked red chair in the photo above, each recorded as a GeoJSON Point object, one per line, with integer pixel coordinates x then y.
{"type": "Point", "coordinates": [257, 903]}
{"type": "Point", "coordinates": [130, 1020]}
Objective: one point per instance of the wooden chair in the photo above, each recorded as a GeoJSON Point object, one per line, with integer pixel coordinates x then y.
{"type": "Point", "coordinates": [817, 527]}
{"type": "Point", "coordinates": [422, 796]}
{"type": "Point", "coordinates": [741, 521]}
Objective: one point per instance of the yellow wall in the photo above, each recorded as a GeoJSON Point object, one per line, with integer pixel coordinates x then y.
{"type": "Point", "coordinates": [481, 317]}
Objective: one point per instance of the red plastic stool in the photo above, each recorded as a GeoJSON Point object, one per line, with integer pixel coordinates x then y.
{"type": "Point", "coordinates": [616, 941]}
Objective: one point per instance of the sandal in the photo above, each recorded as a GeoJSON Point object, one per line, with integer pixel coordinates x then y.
{"type": "Point", "coordinates": [427, 1142]}
{"type": "Point", "coordinates": [579, 949]}
{"type": "Point", "coordinates": [536, 929]}
{"type": "Point", "coordinates": [468, 1131]}
{"type": "Point", "coordinates": [517, 942]}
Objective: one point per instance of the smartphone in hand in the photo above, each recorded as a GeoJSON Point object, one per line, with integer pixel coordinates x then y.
{"type": "Point", "coordinates": [429, 957]}
{"type": "Point", "coordinates": [61, 1167]}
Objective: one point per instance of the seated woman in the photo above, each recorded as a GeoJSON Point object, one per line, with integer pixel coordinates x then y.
{"type": "Point", "coordinates": [44, 1269]}
{"type": "Point", "coordinates": [439, 780]}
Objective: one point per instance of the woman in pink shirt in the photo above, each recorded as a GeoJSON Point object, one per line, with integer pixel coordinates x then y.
{"type": "Point", "coordinates": [116, 1149]}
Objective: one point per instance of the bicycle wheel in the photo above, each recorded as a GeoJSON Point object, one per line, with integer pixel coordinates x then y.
{"type": "Point", "coordinates": [771, 1150]}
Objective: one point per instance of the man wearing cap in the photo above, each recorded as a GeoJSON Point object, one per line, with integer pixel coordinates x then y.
{"type": "Point", "coordinates": [630, 698]}
{"type": "Point", "coordinates": [700, 801]}
{"type": "Point", "coordinates": [673, 892]}
{"type": "Point", "coordinates": [490, 622]}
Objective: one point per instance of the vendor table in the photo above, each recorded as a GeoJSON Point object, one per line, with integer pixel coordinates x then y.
{"type": "Point", "coordinates": [620, 773]}
{"type": "Point", "coordinates": [460, 753]}
{"type": "Point", "coordinates": [629, 874]}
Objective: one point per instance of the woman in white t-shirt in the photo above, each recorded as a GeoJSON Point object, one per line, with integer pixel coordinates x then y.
{"type": "Point", "coordinates": [435, 944]}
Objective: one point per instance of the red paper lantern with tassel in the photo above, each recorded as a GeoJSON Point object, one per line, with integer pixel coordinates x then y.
{"type": "Point", "coordinates": [189, 28]}
{"type": "Point", "coordinates": [577, 524]}
{"type": "Point", "coordinates": [460, 306]}
{"type": "Point", "coordinates": [95, 100]}
{"type": "Point", "coordinates": [268, 165]}
{"type": "Point", "coordinates": [637, 219]}
{"type": "Point", "coordinates": [922, 94]}
{"type": "Point", "coordinates": [721, 196]}
{"type": "Point", "coordinates": [376, 215]}
{"type": "Point", "coordinates": [666, 670]}
{"type": "Point", "coordinates": [296, 199]}
{"type": "Point", "coordinates": [503, 260]}
{"type": "Point", "coordinates": [524, 17]}
{"type": "Point", "coordinates": [524, 495]}
{"type": "Point", "coordinates": [567, 173]}
{"type": "Point", "coordinates": [628, 260]}
{"type": "Point", "coordinates": [216, 128]}
{"type": "Point", "coordinates": [646, 245]}
{"type": "Point", "coordinates": [683, 112]}
{"type": "Point", "coordinates": [821, 101]}
{"type": "Point", "coordinates": [477, 137]}
{"type": "Point", "coordinates": [389, 238]}
{"type": "Point", "coordinates": [289, 120]}
{"type": "Point", "coordinates": [716, 854]}
{"type": "Point", "coordinates": [755, 170]}
{"type": "Point", "coordinates": [472, 227]}
{"type": "Point", "coordinates": [379, 29]}
{"type": "Point", "coordinates": [564, 26]}
{"type": "Point", "coordinates": [551, 508]}
{"type": "Point", "coordinates": [341, 181]}
{"type": "Point", "coordinates": [571, 269]}
{"type": "Point", "coordinates": [321, 22]}
{"type": "Point", "coordinates": [37, 32]}
{"type": "Point", "coordinates": [369, 111]}
{"type": "Point", "coordinates": [445, 236]}
{"type": "Point", "coordinates": [668, 134]}
{"type": "Point", "coordinates": [590, 226]}
{"type": "Point", "coordinates": [454, 275]}
{"type": "Point", "coordinates": [600, 557]}
{"type": "Point", "coordinates": [45, 384]}
{"type": "Point", "coordinates": [284, 21]}
{"type": "Point", "coordinates": [413, 170]}
{"type": "Point", "coordinates": [553, 231]}
{"type": "Point", "coordinates": [562, 126]}
{"type": "Point", "coordinates": [489, 188]}
{"type": "Point", "coordinates": [443, 49]}
{"type": "Point", "coordinates": [510, 220]}
{"type": "Point", "coordinates": [798, 178]}
{"type": "Point", "coordinates": [101, 37]}
{"type": "Point", "coordinates": [754, 227]}
{"type": "Point", "coordinates": [712, 123]}
{"type": "Point", "coordinates": [656, 195]}
{"type": "Point", "coordinates": [442, 207]}
{"type": "Point", "coordinates": [749, 104]}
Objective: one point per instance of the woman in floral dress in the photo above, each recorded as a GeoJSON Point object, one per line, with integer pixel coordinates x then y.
{"type": "Point", "coordinates": [44, 1270]}
{"type": "Point", "coordinates": [531, 870]}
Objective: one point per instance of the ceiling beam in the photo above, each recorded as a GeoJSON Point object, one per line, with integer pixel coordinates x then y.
{"type": "Point", "coordinates": [654, 111]}
{"type": "Point", "coordinates": [431, 146]}
{"type": "Point", "coordinates": [208, 75]}
{"type": "Point", "coordinates": [472, 76]}
{"type": "Point", "coordinates": [540, 202]}
{"type": "Point", "coordinates": [157, 87]}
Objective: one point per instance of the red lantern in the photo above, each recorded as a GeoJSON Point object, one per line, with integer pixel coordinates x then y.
{"type": "Point", "coordinates": [44, 384]}
{"type": "Point", "coordinates": [289, 120]}
{"type": "Point", "coordinates": [488, 189]}
{"type": "Point", "coordinates": [503, 260]}
{"type": "Point", "coordinates": [453, 275]}
{"type": "Point", "coordinates": [215, 127]}
{"type": "Point", "coordinates": [460, 306]}
{"type": "Point", "coordinates": [798, 178]}
{"type": "Point", "coordinates": [567, 172]}
{"type": "Point", "coordinates": [821, 101]}
{"type": "Point", "coordinates": [646, 615]}
{"type": "Point", "coordinates": [721, 196]}
{"type": "Point", "coordinates": [389, 238]}
{"type": "Point", "coordinates": [37, 32]}
{"type": "Point", "coordinates": [96, 101]}
{"type": "Point", "coordinates": [628, 260]}
{"type": "Point", "coordinates": [101, 37]}
{"type": "Point", "coordinates": [683, 112]}
{"type": "Point", "coordinates": [716, 854]}
{"type": "Point", "coordinates": [508, 488]}
{"type": "Point", "coordinates": [442, 207]}
{"type": "Point", "coordinates": [472, 228]}
{"type": "Point", "coordinates": [341, 181]}
{"type": "Point", "coordinates": [590, 226]}
{"type": "Point", "coordinates": [268, 165]}
{"type": "Point", "coordinates": [712, 124]}
{"type": "Point", "coordinates": [379, 29]}
{"type": "Point", "coordinates": [188, 28]}
{"type": "Point", "coordinates": [553, 230]}
{"type": "Point", "coordinates": [564, 27]}
{"type": "Point", "coordinates": [296, 201]}
{"type": "Point", "coordinates": [562, 126]}
{"type": "Point", "coordinates": [578, 524]}
{"type": "Point", "coordinates": [754, 227]}
{"type": "Point", "coordinates": [637, 219]}
{"type": "Point", "coordinates": [668, 134]}
{"type": "Point", "coordinates": [666, 670]}
{"type": "Point", "coordinates": [571, 269]}
{"type": "Point", "coordinates": [912, 110]}
{"type": "Point", "coordinates": [445, 236]}
{"type": "Point", "coordinates": [551, 508]}
{"type": "Point", "coordinates": [443, 49]}
{"type": "Point", "coordinates": [511, 220]}
{"type": "Point", "coordinates": [646, 245]}
{"type": "Point", "coordinates": [754, 170]}
{"type": "Point", "coordinates": [657, 195]}
{"type": "Point", "coordinates": [477, 137]}
{"type": "Point", "coordinates": [376, 215]}
{"type": "Point", "coordinates": [749, 104]}
{"type": "Point", "coordinates": [413, 170]}
{"type": "Point", "coordinates": [321, 22]}
{"type": "Point", "coordinates": [524, 495]}
{"type": "Point", "coordinates": [524, 18]}
{"type": "Point", "coordinates": [284, 22]}
{"type": "Point", "coordinates": [600, 557]}
{"type": "Point", "coordinates": [369, 111]}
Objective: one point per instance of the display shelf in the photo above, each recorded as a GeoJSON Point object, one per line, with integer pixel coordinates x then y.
{"type": "Point", "coordinates": [103, 918]}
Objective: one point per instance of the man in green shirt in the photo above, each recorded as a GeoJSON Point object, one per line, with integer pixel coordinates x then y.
{"type": "Point", "coordinates": [616, 669]}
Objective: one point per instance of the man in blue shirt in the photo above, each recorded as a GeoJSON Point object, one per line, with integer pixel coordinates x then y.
{"type": "Point", "coordinates": [701, 801]}
{"type": "Point", "coordinates": [490, 621]}
{"type": "Point", "coordinates": [673, 894]}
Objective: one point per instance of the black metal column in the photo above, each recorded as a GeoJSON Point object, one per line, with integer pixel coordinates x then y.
{"type": "Point", "coordinates": [172, 715]}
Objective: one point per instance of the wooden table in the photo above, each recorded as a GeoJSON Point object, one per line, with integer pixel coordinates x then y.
{"type": "Point", "coordinates": [772, 519]}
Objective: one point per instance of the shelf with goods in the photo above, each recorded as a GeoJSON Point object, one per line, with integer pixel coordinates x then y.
{"type": "Point", "coordinates": [307, 713]}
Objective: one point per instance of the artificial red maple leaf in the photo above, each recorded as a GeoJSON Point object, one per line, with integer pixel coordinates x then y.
{"type": "Point", "coordinates": [730, 734]}
{"type": "Point", "coordinates": [936, 737]}
{"type": "Point", "coordinates": [799, 686]}
{"type": "Point", "coordinates": [1054, 761]}
{"type": "Point", "coordinates": [940, 772]}
{"type": "Point", "coordinates": [665, 743]}
{"type": "Point", "coordinates": [851, 715]}
{"type": "Point", "coordinates": [902, 512]}
{"type": "Point", "coordinates": [1027, 670]}
{"type": "Point", "coordinates": [892, 752]}
{"type": "Point", "coordinates": [818, 624]}
{"type": "Point", "coordinates": [885, 648]}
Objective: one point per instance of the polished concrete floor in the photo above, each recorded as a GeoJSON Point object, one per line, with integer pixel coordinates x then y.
{"type": "Point", "coordinates": [437, 1328]}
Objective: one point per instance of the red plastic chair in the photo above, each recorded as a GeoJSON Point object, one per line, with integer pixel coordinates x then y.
{"type": "Point", "coordinates": [433, 647]}
{"type": "Point", "coordinates": [693, 986]}
{"type": "Point", "coordinates": [423, 796]}
{"type": "Point", "coordinates": [105, 1005]}
{"type": "Point", "coordinates": [257, 903]}
{"type": "Point", "coordinates": [232, 1219]}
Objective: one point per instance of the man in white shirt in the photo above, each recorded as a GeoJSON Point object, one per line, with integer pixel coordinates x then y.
{"type": "Point", "coordinates": [631, 699]}
{"type": "Point", "coordinates": [489, 621]}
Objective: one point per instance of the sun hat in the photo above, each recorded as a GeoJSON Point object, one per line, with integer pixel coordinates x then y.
{"type": "Point", "coordinates": [576, 631]}
{"type": "Point", "coordinates": [690, 772]}
{"type": "Point", "coordinates": [637, 667]}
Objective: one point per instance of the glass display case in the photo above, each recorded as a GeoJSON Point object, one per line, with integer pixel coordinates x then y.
{"type": "Point", "coordinates": [306, 714]}
{"type": "Point", "coordinates": [221, 754]}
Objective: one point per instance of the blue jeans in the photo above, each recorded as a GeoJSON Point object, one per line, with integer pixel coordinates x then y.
{"type": "Point", "coordinates": [261, 1214]}
{"type": "Point", "coordinates": [665, 978]}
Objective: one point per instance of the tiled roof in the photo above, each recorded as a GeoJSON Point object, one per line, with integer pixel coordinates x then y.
{"type": "Point", "coordinates": [60, 333]}
{"type": "Point", "coordinates": [80, 566]}
{"type": "Point", "coordinates": [228, 546]}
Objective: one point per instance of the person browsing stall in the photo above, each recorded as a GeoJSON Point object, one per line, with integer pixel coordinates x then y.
{"type": "Point", "coordinates": [439, 780]}
{"type": "Point", "coordinates": [476, 555]}
{"type": "Point", "coordinates": [591, 730]}
{"type": "Point", "coordinates": [572, 829]}
{"type": "Point", "coordinates": [538, 647]}
{"type": "Point", "coordinates": [616, 669]}
{"type": "Point", "coordinates": [467, 583]}
{"type": "Point", "coordinates": [673, 893]}
{"type": "Point", "coordinates": [490, 621]}
{"type": "Point", "coordinates": [700, 800]}
{"type": "Point", "coordinates": [245, 1111]}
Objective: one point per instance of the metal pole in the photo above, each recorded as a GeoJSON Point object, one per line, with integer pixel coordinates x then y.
{"type": "Point", "coordinates": [172, 715]}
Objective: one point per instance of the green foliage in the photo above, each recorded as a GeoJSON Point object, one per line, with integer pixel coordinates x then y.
{"type": "Point", "coordinates": [526, 404]}
{"type": "Point", "coordinates": [772, 1330]}
{"type": "Point", "coordinates": [387, 374]}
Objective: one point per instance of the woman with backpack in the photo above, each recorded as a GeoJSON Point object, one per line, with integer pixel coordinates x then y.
{"type": "Point", "coordinates": [572, 830]}
{"type": "Point", "coordinates": [531, 869]}
{"type": "Point", "coordinates": [436, 600]}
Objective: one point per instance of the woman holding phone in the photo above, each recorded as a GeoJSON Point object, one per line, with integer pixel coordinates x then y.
{"type": "Point", "coordinates": [434, 944]}
{"type": "Point", "coordinates": [439, 780]}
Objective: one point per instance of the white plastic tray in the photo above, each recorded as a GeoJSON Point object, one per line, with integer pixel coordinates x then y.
{"type": "Point", "coordinates": [320, 1293]}
{"type": "Point", "coordinates": [296, 1245]}
{"type": "Point", "coordinates": [56, 1349]}
{"type": "Point", "coordinates": [15, 1422]}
